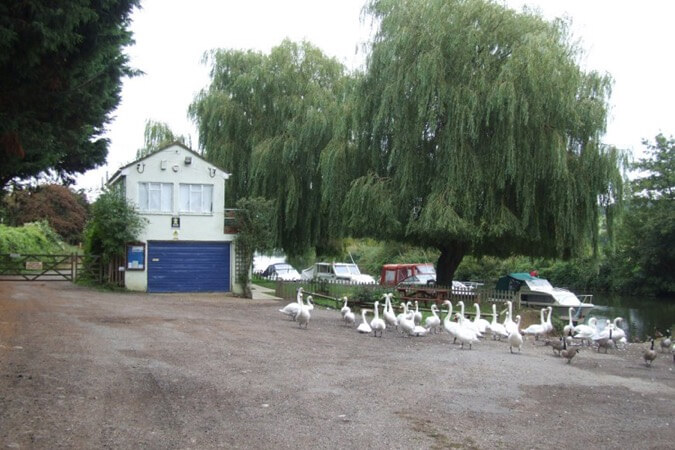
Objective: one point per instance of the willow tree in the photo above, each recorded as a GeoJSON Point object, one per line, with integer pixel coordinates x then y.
{"type": "Point", "coordinates": [266, 118]}
{"type": "Point", "coordinates": [478, 133]}
{"type": "Point", "coordinates": [158, 135]}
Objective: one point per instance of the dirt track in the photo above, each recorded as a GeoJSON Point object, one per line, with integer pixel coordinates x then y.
{"type": "Point", "coordinates": [86, 369]}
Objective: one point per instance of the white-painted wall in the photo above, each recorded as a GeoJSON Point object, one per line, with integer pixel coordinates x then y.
{"type": "Point", "coordinates": [193, 226]}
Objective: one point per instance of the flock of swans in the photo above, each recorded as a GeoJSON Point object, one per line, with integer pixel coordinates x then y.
{"type": "Point", "coordinates": [465, 331]}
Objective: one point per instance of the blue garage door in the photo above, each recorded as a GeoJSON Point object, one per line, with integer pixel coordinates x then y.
{"type": "Point", "coordinates": [188, 266]}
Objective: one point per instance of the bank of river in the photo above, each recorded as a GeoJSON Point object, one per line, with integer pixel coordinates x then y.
{"type": "Point", "coordinates": [642, 315]}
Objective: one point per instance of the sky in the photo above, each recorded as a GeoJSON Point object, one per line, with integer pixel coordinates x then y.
{"type": "Point", "coordinates": [632, 41]}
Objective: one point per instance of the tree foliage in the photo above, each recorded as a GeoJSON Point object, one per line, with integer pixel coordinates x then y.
{"type": "Point", "coordinates": [267, 118]}
{"type": "Point", "coordinates": [63, 209]}
{"type": "Point", "coordinates": [61, 65]}
{"type": "Point", "coordinates": [113, 222]}
{"type": "Point", "coordinates": [645, 258]}
{"type": "Point", "coordinates": [158, 135]}
{"type": "Point", "coordinates": [30, 238]}
{"type": "Point", "coordinates": [255, 221]}
{"type": "Point", "coordinates": [478, 133]}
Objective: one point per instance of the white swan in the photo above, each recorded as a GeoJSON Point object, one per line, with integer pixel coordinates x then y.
{"type": "Point", "coordinates": [482, 324]}
{"type": "Point", "coordinates": [303, 315]}
{"type": "Point", "coordinates": [419, 331]}
{"type": "Point", "coordinates": [417, 317]}
{"type": "Point", "coordinates": [509, 324]}
{"type": "Point", "coordinates": [586, 332]}
{"type": "Point", "coordinates": [406, 323]}
{"type": "Point", "coordinates": [465, 334]}
{"type": "Point", "coordinates": [433, 322]}
{"type": "Point", "coordinates": [292, 309]}
{"type": "Point", "coordinates": [310, 303]}
{"type": "Point", "coordinates": [349, 318]}
{"type": "Point", "coordinates": [389, 315]}
{"type": "Point", "coordinates": [345, 309]}
{"type": "Point", "coordinates": [569, 328]}
{"type": "Point", "coordinates": [618, 335]}
{"type": "Point", "coordinates": [497, 329]}
{"type": "Point", "coordinates": [515, 339]}
{"type": "Point", "coordinates": [404, 315]}
{"type": "Point", "coordinates": [449, 325]}
{"type": "Point", "coordinates": [536, 329]}
{"type": "Point", "coordinates": [363, 326]}
{"type": "Point", "coordinates": [467, 323]}
{"type": "Point", "coordinates": [377, 324]}
{"type": "Point", "coordinates": [548, 325]}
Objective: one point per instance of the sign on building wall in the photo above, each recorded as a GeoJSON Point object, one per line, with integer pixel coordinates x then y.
{"type": "Point", "coordinates": [136, 256]}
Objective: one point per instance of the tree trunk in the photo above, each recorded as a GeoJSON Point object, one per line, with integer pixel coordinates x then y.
{"type": "Point", "coordinates": [448, 261]}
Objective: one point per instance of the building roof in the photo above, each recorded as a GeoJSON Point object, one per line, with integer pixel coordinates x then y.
{"type": "Point", "coordinates": [118, 172]}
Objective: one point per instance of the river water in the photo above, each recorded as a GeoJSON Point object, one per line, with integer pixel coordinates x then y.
{"type": "Point", "coordinates": [642, 315]}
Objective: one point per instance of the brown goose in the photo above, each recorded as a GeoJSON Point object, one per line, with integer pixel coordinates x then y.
{"type": "Point", "coordinates": [557, 345]}
{"type": "Point", "coordinates": [568, 353]}
{"type": "Point", "coordinates": [649, 355]}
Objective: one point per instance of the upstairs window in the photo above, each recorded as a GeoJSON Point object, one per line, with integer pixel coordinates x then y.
{"type": "Point", "coordinates": [155, 197]}
{"type": "Point", "coordinates": [196, 198]}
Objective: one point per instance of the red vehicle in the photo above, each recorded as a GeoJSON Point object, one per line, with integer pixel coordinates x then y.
{"type": "Point", "coordinates": [409, 274]}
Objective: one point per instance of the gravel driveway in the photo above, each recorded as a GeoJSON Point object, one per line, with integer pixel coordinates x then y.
{"type": "Point", "coordinates": [87, 369]}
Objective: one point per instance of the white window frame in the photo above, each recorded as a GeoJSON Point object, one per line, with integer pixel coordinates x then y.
{"type": "Point", "coordinates": [195, 198]}
{"type": "Point", "coordinates": [163, 193]}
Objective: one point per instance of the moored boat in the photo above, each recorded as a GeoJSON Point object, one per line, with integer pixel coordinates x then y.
{"type": "Point", "coordinates": [539, 293]}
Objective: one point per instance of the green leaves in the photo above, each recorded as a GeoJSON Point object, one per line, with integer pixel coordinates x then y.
{"type": "Point", "coordinates": [267, 119]}
{"type": "Point", "coordinates": [113, 222]}
{"type": "Point", "coordinates": [61, 68]}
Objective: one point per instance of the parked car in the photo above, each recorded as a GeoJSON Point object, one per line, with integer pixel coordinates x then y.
{"type": "Point", "coordinates": [410, 274]}
{"type": "Point", "coordinates": [337, 272]}
{"type": "Point", "coordinates": [281, 271]}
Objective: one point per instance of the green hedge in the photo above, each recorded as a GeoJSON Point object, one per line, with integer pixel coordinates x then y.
{"type": "Point", "coordinates": [31, 238]}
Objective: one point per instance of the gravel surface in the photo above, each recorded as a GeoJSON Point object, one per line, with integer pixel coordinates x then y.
{"type": "Point", "coordinates": [87, 369]}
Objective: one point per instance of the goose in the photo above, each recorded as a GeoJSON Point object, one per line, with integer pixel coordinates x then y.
{"type": "Point", "coordinates": [605, 342]}
{"type": "Point", "coordinates": [363, 326]}
{"type": "Point", "coordinates": [465, 334]}
{"type": "Point", "coordinates": [497, 329]}
{"type": "Point", "coordinates": [482, 324]}
{"type": "Point", "coordinates": [515, 339]}
{"type": "Point", "coordinates": [417, 317]}
{"type": "Point", "coordinates": [649, 355]}
{"type": "Point", "coordinates": [666, 342]}
{"type": "Point", "coordinates": [377, 324]}
{"type": "Point", "coordinates": [303, 315]}
{"type": "Point", "coordinates": [433, 322]}
{"type": "Point", "coordinates": [389, 315]}
{"type": "Point", "coordinates": [467, 323]}
{"type": "Point", "coordinates": [536, 329]}
{"type": "Point", "coordinates": [556, 344]}
{"type": "Point", "coordinates": [449, 325]}
{"type": "Point", "coordinates": [568, 353]}
{"type": "Point", "coordinates": [345, 309]}
{"type": "Point", "coordinates": [349, 318]}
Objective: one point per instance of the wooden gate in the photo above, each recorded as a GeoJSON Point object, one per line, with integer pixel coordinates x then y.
{"type": "Point", "coordinates": [63, 267]}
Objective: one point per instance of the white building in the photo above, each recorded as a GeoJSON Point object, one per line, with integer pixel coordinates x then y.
{"type": "Point", "coordinates": [187, 244]}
